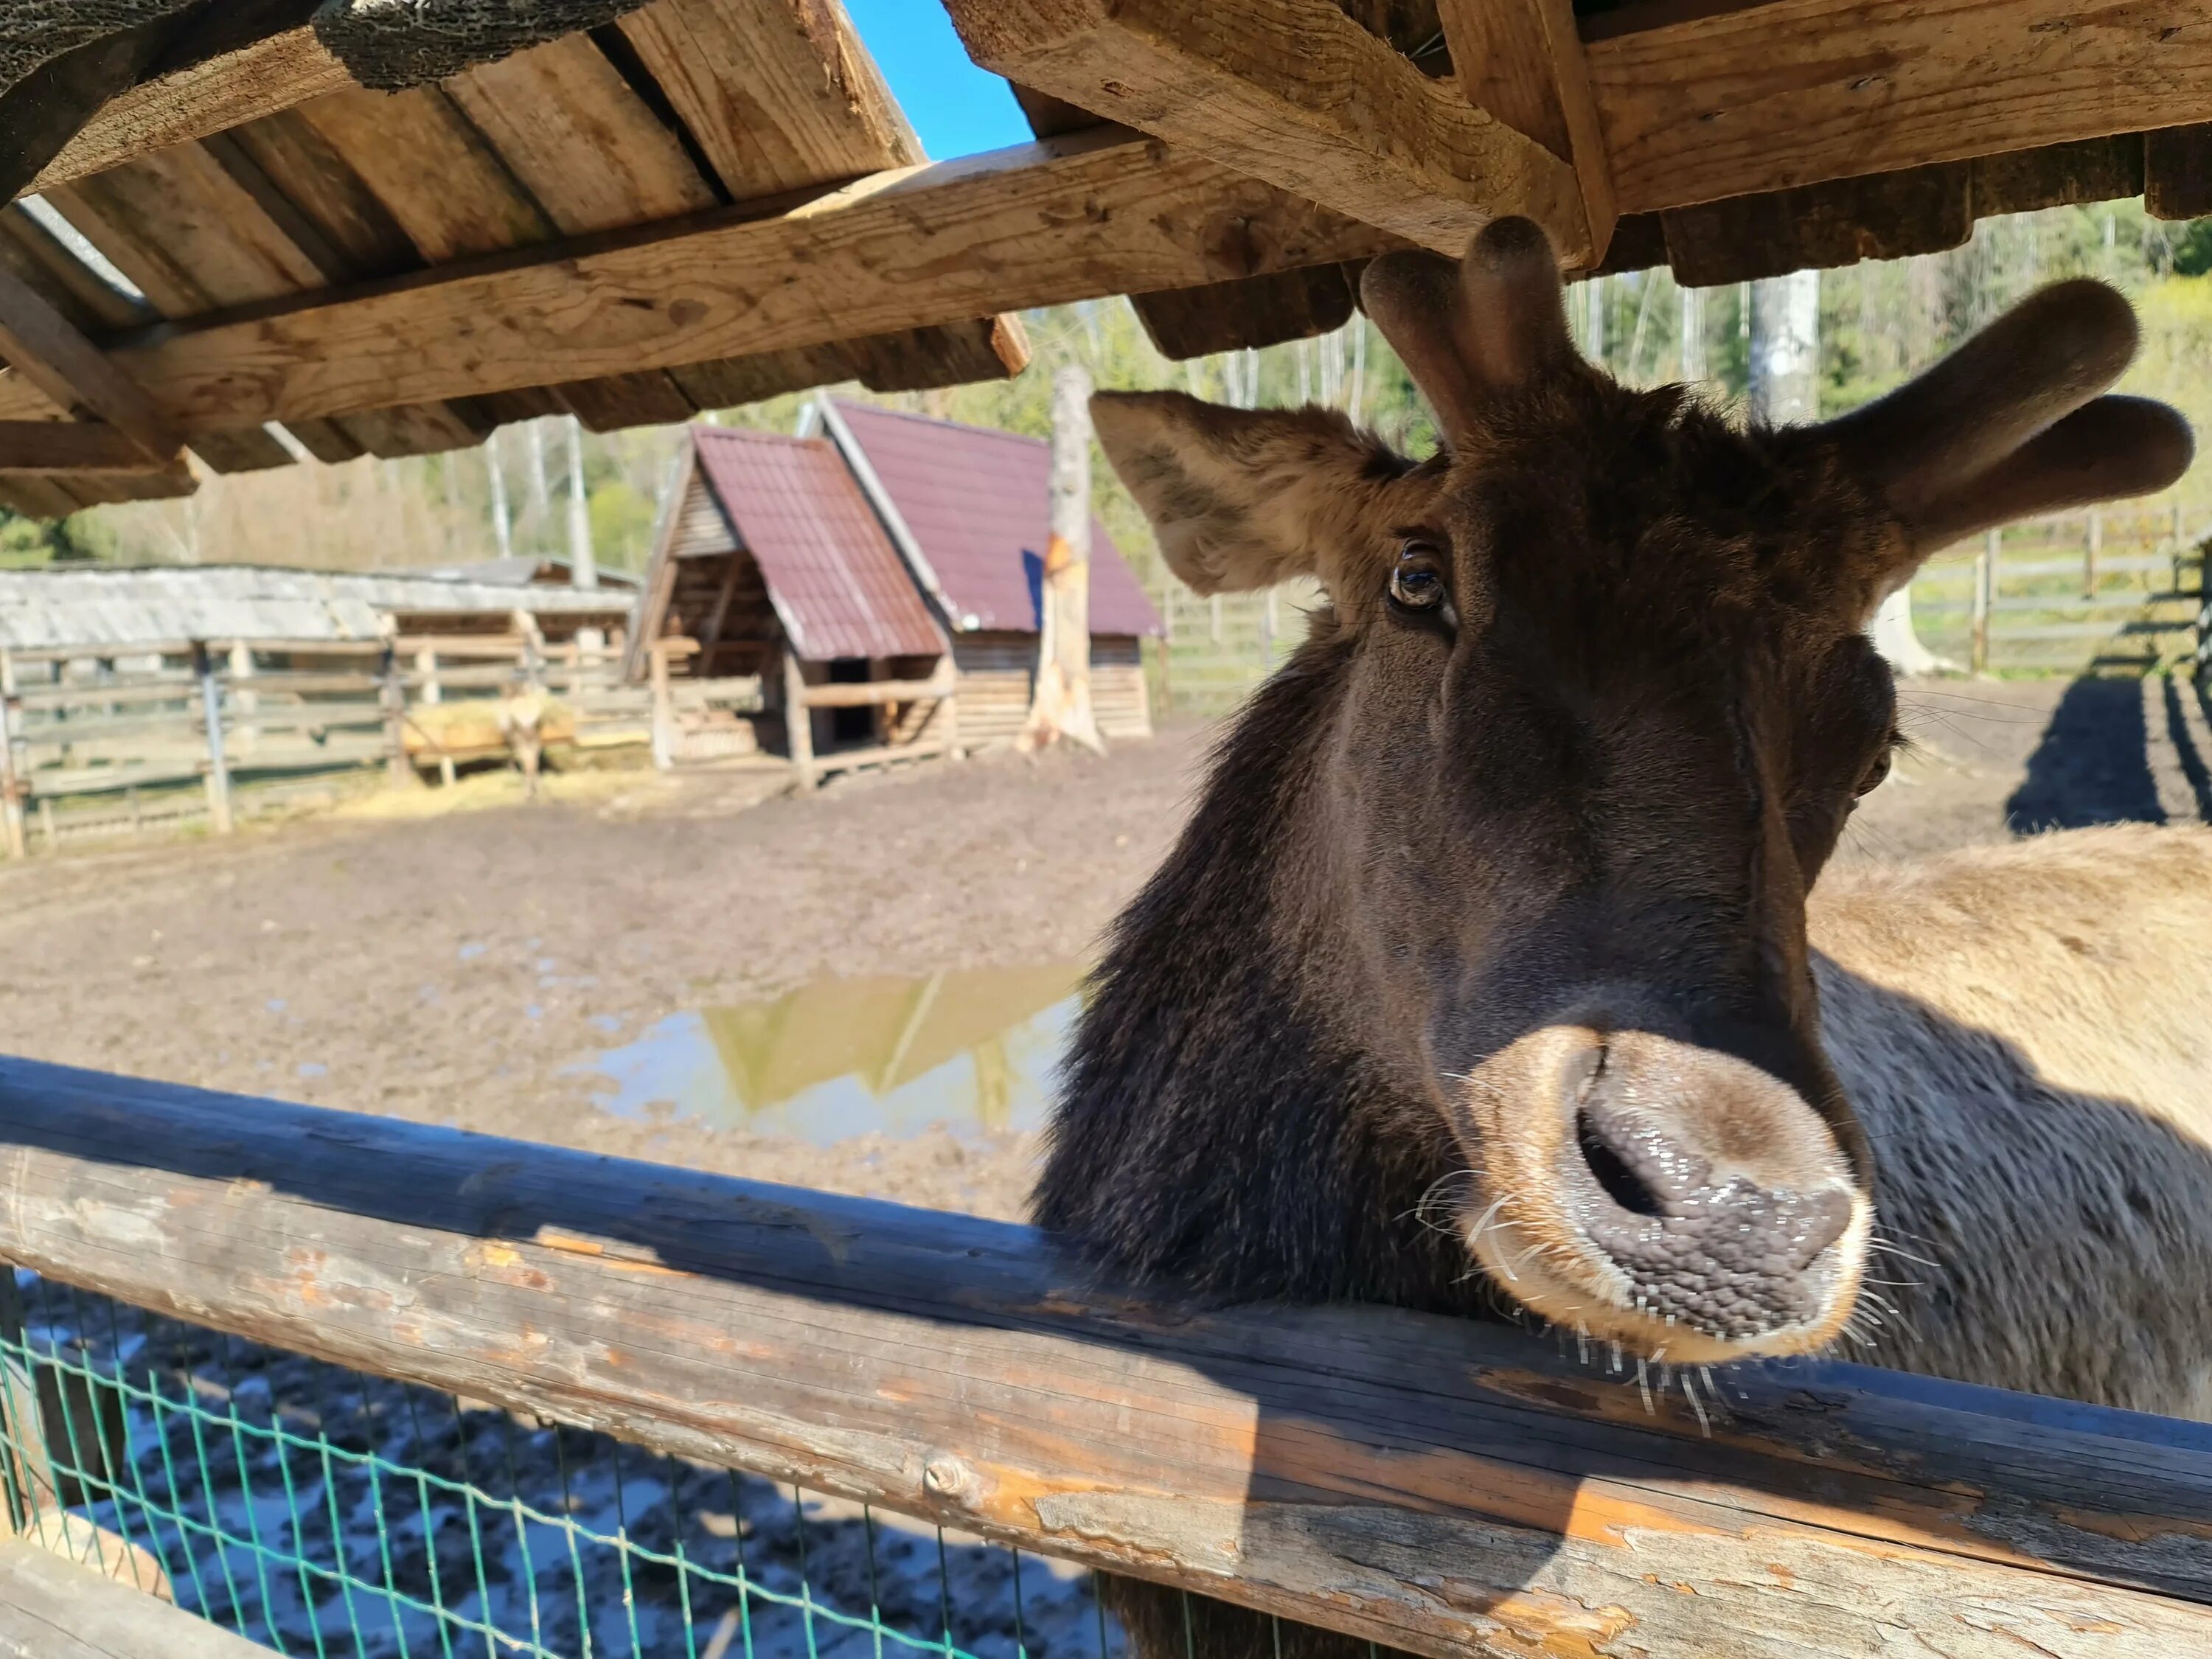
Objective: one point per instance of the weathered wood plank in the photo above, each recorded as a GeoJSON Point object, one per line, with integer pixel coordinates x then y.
{"type": "Point", "coordinates": [210, 97]}
{"type": "Point", "coordinates": [67, 447]}
{"type": "Point", "coordinates": [52, 1607]}
{"type": "Point", "coordinates": [780, 94]}
{"type": "Point", "coordinates": [2177, 173]}
{"type": "Point", "coordinates": [1256, 311]}
{"type": "Point", "coordinates": [1293, 92]}
{"type": "Point", "coordinates": [1037, 225]}
{"type": "Point", "coordinates": [1523, 61]}
{"type": "Point", "coordinates": [440, 180]}
{"type": "Point", "coordinates": [1443, 1486]}
{"type": "Point", "coordinates": [1703, 102]}
{"type": "Point", "coordinates": [75, 374]}
{"type": "Point", "coordinates": [39, 257]}
{"type": "Point", "coordinates": [576, 135]}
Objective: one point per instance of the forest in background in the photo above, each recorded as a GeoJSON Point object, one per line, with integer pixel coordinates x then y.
{"type": "Point", "coordinates": [1878, 322]}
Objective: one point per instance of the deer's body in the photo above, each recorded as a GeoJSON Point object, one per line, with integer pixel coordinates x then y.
{"type": "Point", "coordinates": [2025, 1031]}
{"type": "Point", "coordinates": [1487, 977]}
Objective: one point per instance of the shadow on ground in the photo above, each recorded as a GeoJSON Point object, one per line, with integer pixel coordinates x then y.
{"type": "Point", "coordinates": [2092, 765]}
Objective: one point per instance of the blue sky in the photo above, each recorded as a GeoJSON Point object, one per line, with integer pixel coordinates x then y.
{"type": "Point", "coordinates": [956, 109]}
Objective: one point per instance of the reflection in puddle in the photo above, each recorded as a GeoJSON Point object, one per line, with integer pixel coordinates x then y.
{"type": "Point", "coordinates": [975, 1050]}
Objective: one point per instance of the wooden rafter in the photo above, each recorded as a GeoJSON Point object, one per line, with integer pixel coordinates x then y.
{"type": "Point", "coordinates": [68, 447]}
{"type": "Point", "coordinates": [1703, 102]}
{"type": "Point", "coordinates": [235, 77]}
{"type": "Point", "coordinates": [75, 374]}
{"type": "Point", "coordinates": [1041, 224]}
{"type": "Point", "coordinates": [1521, 60]}
{"type": "Point", "coordinates": [1289, 91]}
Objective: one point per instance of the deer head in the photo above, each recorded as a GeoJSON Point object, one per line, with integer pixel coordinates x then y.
{"type": "Point", "coordinates": [1595, 700]}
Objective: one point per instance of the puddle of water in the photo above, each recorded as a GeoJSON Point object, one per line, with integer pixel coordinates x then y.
{"type": "Point", "coordinates": [975, 1050]}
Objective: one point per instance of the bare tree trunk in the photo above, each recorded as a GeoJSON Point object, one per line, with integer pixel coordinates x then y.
{"type": "Point", "coordinates": [1693, 334]}
{"type": "Point", "coordinates": [1059, 706]}
{"type": "Point", "coordinates": [541, 491]}
{"type": "Point", "coordinates": [1785, 348]}
{"type": "Point", "coordinates": [501, 532]}
{"type": "Point", "coordinates": [583, 568]}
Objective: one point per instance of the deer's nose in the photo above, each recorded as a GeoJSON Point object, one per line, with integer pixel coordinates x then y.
{"type": "Point", "coordinates": [1704, 1237]}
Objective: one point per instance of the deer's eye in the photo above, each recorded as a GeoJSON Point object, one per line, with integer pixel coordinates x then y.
{"type": "Point", "coordinates": [1871, 781]}
{"type": "Point", "coordinates": [1417, 581]}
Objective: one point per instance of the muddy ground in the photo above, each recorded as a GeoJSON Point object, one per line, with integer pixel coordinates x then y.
{"type": "Point", "coordinates": [459, 966]}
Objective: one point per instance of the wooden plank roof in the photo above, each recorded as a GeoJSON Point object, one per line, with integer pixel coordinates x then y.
{"type": "Point", "coordinates": [696, 202]}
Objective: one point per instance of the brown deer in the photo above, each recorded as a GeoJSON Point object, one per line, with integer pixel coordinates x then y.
{"type": "Point", "coordinates": [1487, 976]}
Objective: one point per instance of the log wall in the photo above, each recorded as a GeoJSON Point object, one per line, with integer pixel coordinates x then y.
{"type": "Point", "coordinates": [1442, 1485]}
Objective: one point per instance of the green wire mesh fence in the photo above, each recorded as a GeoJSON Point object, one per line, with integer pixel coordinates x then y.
{"type": "Point", "coordinates": [318, 1511]}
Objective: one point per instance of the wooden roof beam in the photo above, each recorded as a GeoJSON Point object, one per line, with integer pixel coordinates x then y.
{"type": "Point", "coordinates": [1700, 103]}
{"type": "Point", "coordinates": [72, 372]}
{"type": "Point", "coordinates": [1523, 61]}
{"type": "Point", "coordinates": [1295, 92]}
{"type": "Point", "coordinates": [68, 447]}
{"type": "Point", "coordinates": [1100, 213]}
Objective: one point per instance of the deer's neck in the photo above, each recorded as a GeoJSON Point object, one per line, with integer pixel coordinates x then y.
{"type": "Point", "coordinates": [1210, 1133]}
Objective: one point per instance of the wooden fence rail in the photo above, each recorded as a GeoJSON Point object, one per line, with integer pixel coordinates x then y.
{"type": "Point", "coordinates": [1438, 1485]}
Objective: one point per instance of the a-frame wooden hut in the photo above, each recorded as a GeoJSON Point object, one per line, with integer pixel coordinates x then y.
{"type": "Point", "coordinates": [778, 620]}
{"type": "Point", "coordinates": [969, 508]}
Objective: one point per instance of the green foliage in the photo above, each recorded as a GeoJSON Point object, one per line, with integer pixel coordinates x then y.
{"type": "Point", "coordinates": [34, 544]}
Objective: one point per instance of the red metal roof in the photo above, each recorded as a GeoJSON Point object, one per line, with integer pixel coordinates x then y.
{"type": "Point", "coordinates": [978, 504]}
{"type": "Point", "coordinates": [836, 581]}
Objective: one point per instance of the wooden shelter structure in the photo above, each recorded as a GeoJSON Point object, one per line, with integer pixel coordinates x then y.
{"type": "Point", "coordinates": [630, 210]}
{"type": "Point", "coordinates": [775, 593]}
{"type": "Point", "coordinates": [969, 509]}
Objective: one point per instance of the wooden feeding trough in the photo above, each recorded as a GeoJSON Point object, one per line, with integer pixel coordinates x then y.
{"type": "Point", "coordinates": [778, 622]}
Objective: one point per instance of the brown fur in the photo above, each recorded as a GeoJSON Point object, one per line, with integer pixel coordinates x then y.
{"type": "Point", "coordinates": [1485, 976]}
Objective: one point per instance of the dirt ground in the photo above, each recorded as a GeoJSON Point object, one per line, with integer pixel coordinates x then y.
{"type": "Point", "coordinates": [455, 966]}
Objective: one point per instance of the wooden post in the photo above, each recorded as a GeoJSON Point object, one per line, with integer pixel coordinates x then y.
{"type": "Point", "coordinates": [1448, 1486]}
{"type": "Point", "coordinates": [664, 709]}
{"type": "Point", "coordinates": [1985, 591]}
{"type": "Point", "coordinates": [243, 697]}
{"type": "Point", "coordinates": [2092, 544]}
{"type": "Point", "coordinates": [397, 769]}
{"type": "Point", "coordinates": [11, 787]}
{"type": "Point", "coordinates": [47, 833]}
{"type": "Point", "coordinates": [797, 720]}
{"type": "Point", "coordinates": [1059, 700]}
{"type": "Point", "coordinates": [218, 772]}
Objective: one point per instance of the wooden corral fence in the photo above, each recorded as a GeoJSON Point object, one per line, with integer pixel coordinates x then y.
{"type": "Point", "coordinates": [159, 735]}
{"type": "Point", "coordinates": [1435, 1485]}
{"type": "Point", "coordinates": [711, 719]}
{"type": "Point", "coordinates": [2117, 587]}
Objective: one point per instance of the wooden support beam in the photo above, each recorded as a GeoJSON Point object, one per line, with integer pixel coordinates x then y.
{"type": "Point", "coordinates": [40, 345]}
{"type": "Point", "coordinates": [67, 447]}
{"type": "Point", "coordinates": [1443, 1486]}
{"type": "Point", "coordinates": [1039, 224]}
{"type": "Point", "coordinates": [1293, 92]}
{"type": "Point", "coordinates": [869, 693]}
{"type": "Point", "coordinates": [1699, 102]}
{"type": "Point", "coordinates": [1523, 61]}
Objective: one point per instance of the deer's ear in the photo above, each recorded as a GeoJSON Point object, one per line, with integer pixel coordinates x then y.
{"type": "Point", "coordinates": [2011, 424]}
{"type": "Point", "coordinates": [1245, 498]}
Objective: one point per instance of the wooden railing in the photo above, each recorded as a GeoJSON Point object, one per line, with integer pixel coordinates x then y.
{"type": "Point", "coordinates": [1438, 1484]}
